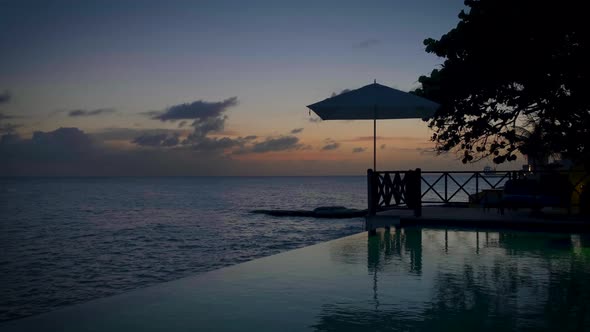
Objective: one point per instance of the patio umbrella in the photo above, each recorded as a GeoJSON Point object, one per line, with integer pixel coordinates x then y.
{"type": "Point", "coordinates": [374, 102]}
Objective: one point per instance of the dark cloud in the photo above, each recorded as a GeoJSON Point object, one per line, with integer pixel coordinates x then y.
{"type": "Point", "coordinates": [8, 128]}
{"type": "Point", "coordinates": [216, 144]}
{"type": "Point", "coordinates": [202, 127]}
{"type": "Point", "coordinates": [5, 97]}
{"type": "Point", "coordinates": [383, 146]}
{"type": "Point", "coordinates": [129, 134]}
{"type": "Point", "coordinates": [367, 43]}
{"type": "Point", "coordinates": [7, 117]}
{"type": "Point", "coordinates": [71, 137]}
{"type": "Point", "coordinates": [71, 152]}
{"type": "Point", "coordinates": [359, 149]}
{"type": "Point", "coordinates": [207, 118]}
{"type": "Point", "coordinates": [8, 139]}
{"type": "Point", "coordinates": [157, 140]}
{"type": "Point", "coordinates": [151, 113]}
{"type": "Point", "coordinates": [331, 146]}
{"type": "Point", "coordinates": [171, 141]}
{"type": "Point", "coordinates": [277, 144]}
{"type": "Point", "coordinates": [196, 110]}
{"type": "Point", "coordinates": [271, 144]}
{"type": "Point", "coordinates": [100, 111]}
{"type": "Point", "coordinates": [296, 130]}
{"type": "Point", "coordinates": [58, 146]}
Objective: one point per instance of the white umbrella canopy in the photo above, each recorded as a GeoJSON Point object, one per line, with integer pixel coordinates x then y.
{"type": "Point", "coordinates": [373, 102]}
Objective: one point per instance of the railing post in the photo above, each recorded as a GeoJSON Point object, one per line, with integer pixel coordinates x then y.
{"type": "Point", "coordinates": [418, 198]}
{"type": "Point", "coordinates": [372, 208]}
{"type": "Point", "coordinates": [446, 175]}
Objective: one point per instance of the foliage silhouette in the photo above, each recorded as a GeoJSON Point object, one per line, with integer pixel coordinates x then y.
{"type": "Point", "coordinates": [509, 65]}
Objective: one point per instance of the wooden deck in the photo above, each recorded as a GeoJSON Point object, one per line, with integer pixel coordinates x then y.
{"type": "Point", "coordinates": [477, 217]}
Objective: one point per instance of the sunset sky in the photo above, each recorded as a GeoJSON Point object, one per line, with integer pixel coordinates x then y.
{"type": "Point", "coordinates": [209, 87]}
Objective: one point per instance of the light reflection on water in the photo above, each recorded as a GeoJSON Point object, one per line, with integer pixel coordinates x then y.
{"type": "Point", "coordinates": [451, 280]}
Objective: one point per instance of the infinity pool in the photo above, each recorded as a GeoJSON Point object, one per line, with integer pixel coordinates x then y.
{"type": "Point", "coordinates": [407, 279]}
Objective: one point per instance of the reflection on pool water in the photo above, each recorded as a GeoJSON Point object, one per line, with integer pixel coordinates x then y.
{"type": "Point", "coordinates": [433, 279]}
{"type": "Point", "coordinates": [406, 279]}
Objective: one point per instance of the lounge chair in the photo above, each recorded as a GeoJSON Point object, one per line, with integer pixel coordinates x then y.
{"type": "Point", "coordinates": [552, 190]}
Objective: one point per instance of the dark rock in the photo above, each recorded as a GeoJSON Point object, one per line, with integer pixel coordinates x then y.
{"type": "Point", "coordinates": [321, 212]}
{"type": "Point", "coordinates": [285, 213]}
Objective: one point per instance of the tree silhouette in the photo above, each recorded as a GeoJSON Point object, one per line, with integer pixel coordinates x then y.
{"type": "Point", "coordinates": [533, 145]}
{"type": "Point", "coordinates": [510, 64]}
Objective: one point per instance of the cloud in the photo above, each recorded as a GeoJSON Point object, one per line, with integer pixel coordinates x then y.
{"type": "Point", "coordinates": [71, 152]}
{"type": "Point", "coordinates": [171, 141]}
{"type": "Point", "coordinates": [100, 111]}
{"type": "Point", "coordinates": [5, 97]}
{"type": "Point", "coordinates": [270, 144]}
{"type": "Point", "coordinates": [7, 117]}
{"type": "Point", "coordinates": [315, 119]}
{"type": "Point", "coordinates": [9, 128]}
{"type": "Point", "coordinates": [367, 43]}
{"type": "Point", "coordinates": [201, 128]}
{"type": "Point", "coordinates": [207, 118]}
{"type": "Point", "coordinates": [196, 110]}
{"type": "Point", "coordinates": [331, 146]}
{"type": "Point", "coordinates": [129, 134]}
{"type": "Point", "coordinates": [151, 113]}
{"type": "Point", "coordinates": [296, 131]}
{"type": "Point", "coordinates": [204, 126]}
{"type": "Point", "coordinates": [216, 144]}
{"type": "Point", "coordinates": [58, 146]}
{"type": "Point", "coordinates": [8, 139]}
{"type": "Point", "coordinates": [383, 146]}
{"type": "Point", "coordinates": [359, 149]}
{"type": "Point", "coordinates": [157, 140]}
{"type": "Point", "coordinates": [277, 144]}
{"type": "Point", "coordinates": [72, 137]}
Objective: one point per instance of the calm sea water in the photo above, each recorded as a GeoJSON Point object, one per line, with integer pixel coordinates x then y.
{"type": "Point", "coordinates": [69, 240]}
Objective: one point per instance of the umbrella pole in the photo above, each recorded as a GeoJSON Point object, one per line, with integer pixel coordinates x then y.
{"type": "Point", "coordinates": [375, 139]}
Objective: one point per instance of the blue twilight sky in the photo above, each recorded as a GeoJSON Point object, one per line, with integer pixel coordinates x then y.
{"type": "Point", "coordinates": [113, 61]}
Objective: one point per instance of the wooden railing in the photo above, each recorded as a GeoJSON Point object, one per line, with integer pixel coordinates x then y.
{"type": "Point", "coordinates": [446, 187]}
{"type": "Point", "coordinates": [394, 189]}
{"type": "Point", "coordinates": [410, 189]}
